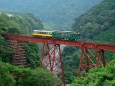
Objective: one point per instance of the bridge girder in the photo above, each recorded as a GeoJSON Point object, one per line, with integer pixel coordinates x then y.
{"type": "Point", "coordinates": [90, 59]}
{"type": "Point", "coordinates": [50, 54]}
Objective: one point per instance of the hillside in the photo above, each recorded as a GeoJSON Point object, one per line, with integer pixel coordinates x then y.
{"type": "Point", "coordinates": [59, 13]}
{"type": "Point", "coordinates": [98, 77]}
{"type": "Point", "coordinates": [19, 25]}
{"type": "Point", "coordinates": [96, 25]}
{"type": "Point", "coordinates": [97, 20]}
{"type": "Point", "coordinates": [19, 76]}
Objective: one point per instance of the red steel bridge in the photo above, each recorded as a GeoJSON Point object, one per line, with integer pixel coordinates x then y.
{"type": "Point", "coordinates": [51, 53]}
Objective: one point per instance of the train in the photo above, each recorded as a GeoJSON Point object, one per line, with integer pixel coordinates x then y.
{"type": "Point", "coordinates": [56, 34]}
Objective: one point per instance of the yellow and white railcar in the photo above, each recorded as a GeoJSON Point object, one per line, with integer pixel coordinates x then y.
{"type": "Point", "coordinates": [42, 33]}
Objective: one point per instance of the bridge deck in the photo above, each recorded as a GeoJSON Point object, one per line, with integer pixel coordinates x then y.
{"type": "Point", "coordinates": [56, 41]}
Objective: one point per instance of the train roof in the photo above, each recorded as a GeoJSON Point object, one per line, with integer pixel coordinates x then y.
{"type": "Point", "coordinates": [42, 31]}
{"type": "Point", "coordinates": [67, 32]}
{"type": "Point", "coordinates": [58, 31]}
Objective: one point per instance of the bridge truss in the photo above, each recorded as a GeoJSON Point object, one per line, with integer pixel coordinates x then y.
{"type": "Point", "coordinates": [51, 54]}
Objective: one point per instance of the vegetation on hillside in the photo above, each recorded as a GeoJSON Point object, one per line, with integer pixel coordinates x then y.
{"type": "Point", "coordinates": [96, 25]}
{"type": "Point", "coordinates": [57, 13]}
{"type": "Point", "coordinates": [70, 56]}
{"type": "Point", "coordinates": [96, 20]}
{"type": "Point", "coordinates": [19, 25]}
{"type": "Point", "coordinates": [98, 76]}
{"type": "Point", "coordinates": [107, 37]}
{"type": "Point", "coordinates": [19, 76]}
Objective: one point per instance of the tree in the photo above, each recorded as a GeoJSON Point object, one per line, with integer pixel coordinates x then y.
{"type": "Point", "coordinates": [5, 78]}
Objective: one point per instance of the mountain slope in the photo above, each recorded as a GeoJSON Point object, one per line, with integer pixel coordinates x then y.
{"type": "Point", "coordinates": [19, 25]}
{"type": "Point", "coordinates": [54, 12]}
{"type": "Point", "coordinates": [97, 25]}
{"type": "Point", "coordinates": [96, 20]}
{"type": "Point", "coordinates": [98, 77]}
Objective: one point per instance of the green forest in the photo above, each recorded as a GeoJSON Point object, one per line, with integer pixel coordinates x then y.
{"type": "Point", "coordinates": [58, 14]}
{"type": "Point", "coordinates": [96, 25]}
{"type": "Point", "coordinates": [20, 76]}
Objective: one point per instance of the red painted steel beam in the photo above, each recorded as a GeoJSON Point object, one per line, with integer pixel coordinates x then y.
{"type": "Point", "coordinates": [56, 41]}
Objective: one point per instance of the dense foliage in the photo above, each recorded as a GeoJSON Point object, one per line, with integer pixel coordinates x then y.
{"type": "Point", "coordinates": [5, 78]}
{"type": "Point", "coordinates": [96, 20]}
{"type": "Point", "coordinates": [16, 24]}
{"type": "Point", "coordinates": [57, 13]}
{"type": "Point", "coordinates": [70, 56]}
{"type": "Point", "coordinates": [96, 25]}
{"type": "Point", "coordinates": [98, 77]}
{"type": "Point", "coordinates": [19, 76]}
